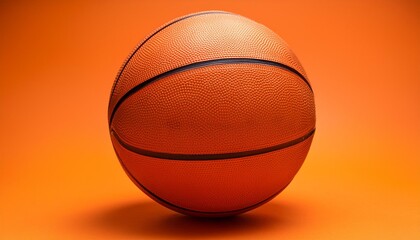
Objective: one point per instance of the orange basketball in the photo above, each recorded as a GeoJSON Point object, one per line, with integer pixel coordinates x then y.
{"type": "Point", "coordinates": [212, 114]}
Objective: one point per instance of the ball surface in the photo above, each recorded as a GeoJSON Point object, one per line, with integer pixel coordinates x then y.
{"type": "Point", "coordinates": [212, 114]}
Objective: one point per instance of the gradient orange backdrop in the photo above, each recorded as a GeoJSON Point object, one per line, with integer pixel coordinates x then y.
{"type": "Point", "coordinates": [60, 178]}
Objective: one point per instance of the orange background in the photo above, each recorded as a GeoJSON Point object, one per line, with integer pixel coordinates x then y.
{"type": "Point", "coordinates": [60, 178]}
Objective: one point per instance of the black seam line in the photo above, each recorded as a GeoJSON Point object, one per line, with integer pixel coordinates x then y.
{"type": "Point", "coordinates": [196, 211]}
{"type": "Point", "coordinates": [214, 156]}
{"type": "Point", "coordinates": [205, 64]}
{"type": "Point", "coordinates": [156, 32]}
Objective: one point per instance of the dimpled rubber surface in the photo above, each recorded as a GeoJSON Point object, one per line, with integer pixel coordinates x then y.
{"type": "Point", "coordinates": [206, 187]}
{"type": "Point", "coordinates": [199, 38]}
{"type": "Point", "coordinates": [207, 110]}
{"type": "Point", "coordinates": [217, 108]}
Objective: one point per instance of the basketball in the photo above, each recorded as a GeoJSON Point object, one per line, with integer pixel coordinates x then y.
{"type": "Point", "coordinates": [212, 114]}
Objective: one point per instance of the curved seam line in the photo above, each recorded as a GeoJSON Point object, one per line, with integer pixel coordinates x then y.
{"type": "Point", "coordinates": [153, 34]}
{"type": "Point", "coordinates": [204, 64]}
{"type": "Point", "coordinates": [206, 157]}
{"type": "Point", "coordinates": [196, 211]}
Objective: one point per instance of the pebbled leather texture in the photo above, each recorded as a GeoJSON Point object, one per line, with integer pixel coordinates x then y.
{"type": "Point", "coordinates": [217, 109]}
{"type": "Point", "coordinates": [201, 38]}
{"type": "Point", "coordinates": [204, 187]}
{"type": "Point", "coordinates": [192, 108]}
